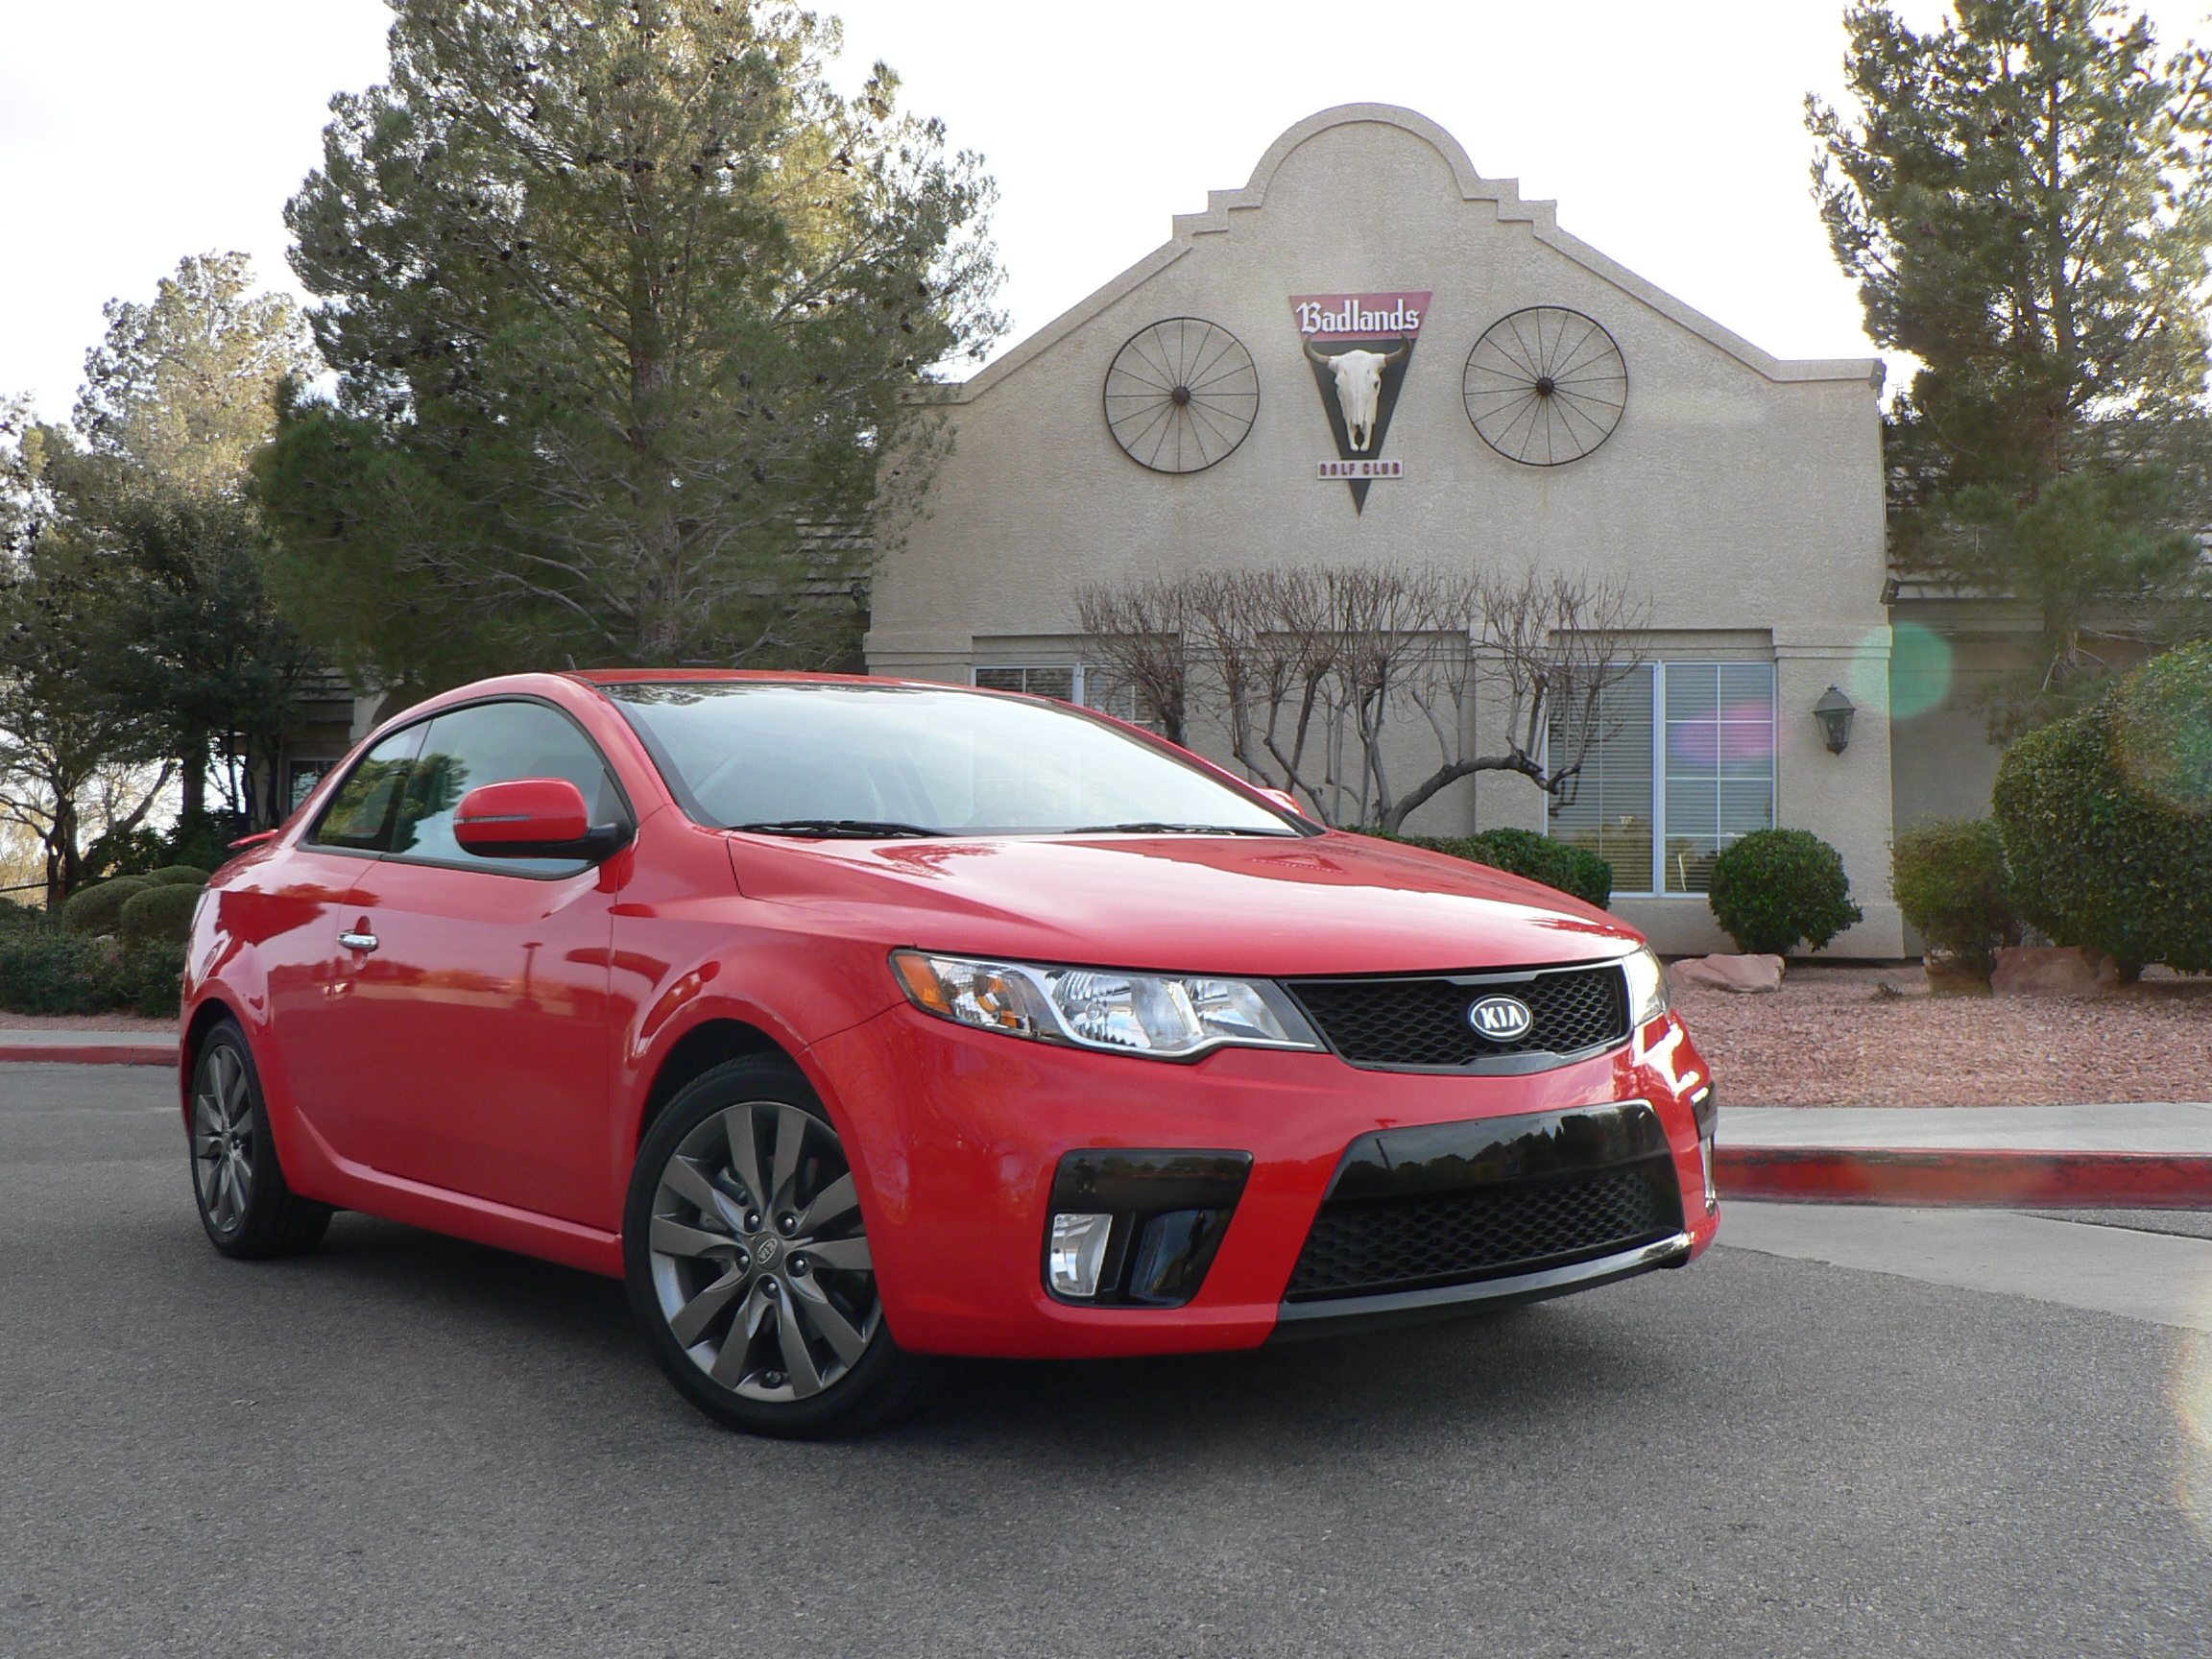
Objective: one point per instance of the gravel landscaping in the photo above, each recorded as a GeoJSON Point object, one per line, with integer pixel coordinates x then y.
{"type": "Point", "coordinates": [1834, 1037]}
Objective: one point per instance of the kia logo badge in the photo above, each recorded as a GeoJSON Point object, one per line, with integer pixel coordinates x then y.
{"type": "Point", "coordinates": [1501, 1018]}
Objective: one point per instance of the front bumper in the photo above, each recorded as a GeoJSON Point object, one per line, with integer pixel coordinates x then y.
{"type": "Point", "coordinates": [959, 1135]}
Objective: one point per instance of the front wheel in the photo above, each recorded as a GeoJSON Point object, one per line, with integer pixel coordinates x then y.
{"type": "Point", "coordinates": [748, 1262]}
{"type": "Point", "coordinates": [246, 1204]}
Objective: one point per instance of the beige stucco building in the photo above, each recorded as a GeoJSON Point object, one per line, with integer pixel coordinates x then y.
{"type": "Point", "coordinates": [1741, 493]}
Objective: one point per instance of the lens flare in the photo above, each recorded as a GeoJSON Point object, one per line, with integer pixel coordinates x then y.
{"type": "Point", "coordinates": [2192, 1405]}
{"type": "Point", "coordinates": [1917, 679]}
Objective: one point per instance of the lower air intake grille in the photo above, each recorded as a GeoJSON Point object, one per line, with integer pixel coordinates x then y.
{"type": "Point", "coordinates": [1367, 1246]}
{"type": "Point", "coordinates": [1423, 1021]}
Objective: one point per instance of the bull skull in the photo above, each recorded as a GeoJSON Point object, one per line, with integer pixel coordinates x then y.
{"type": "Point", "coordinates": [1358, 377]}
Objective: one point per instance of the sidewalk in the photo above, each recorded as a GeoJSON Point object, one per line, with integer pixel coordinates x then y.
{"type": "Point", "coordinates": [70, 1047]}
{"type": "Point", "coordinates": [2150, 1155]}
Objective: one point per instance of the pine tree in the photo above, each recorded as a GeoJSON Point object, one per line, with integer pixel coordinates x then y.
{"type": "Point", "coordinates": [632, 317]}
{"type": "Point", "coordinates": [2026, 199]}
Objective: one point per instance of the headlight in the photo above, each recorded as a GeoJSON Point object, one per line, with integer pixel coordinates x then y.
{"type": "Point", "coordinates": [1165, 1016]}
{"type": "Point", "coordinates": [1647, 986]}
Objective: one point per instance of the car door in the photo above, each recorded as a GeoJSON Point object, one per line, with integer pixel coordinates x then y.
{"type": "Point", "coordinates": [475, 1051]}
{"type": "Point", "coordinates": [292, 909]}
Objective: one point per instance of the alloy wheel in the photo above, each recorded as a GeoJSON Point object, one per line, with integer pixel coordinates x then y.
{"type": "Point", "coordinates": [222, 1139]}
{"type": "Point", "coordinates": [759, 1261]}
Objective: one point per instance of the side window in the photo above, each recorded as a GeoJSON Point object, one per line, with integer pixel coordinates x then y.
{"type": "Point", "coordinates": [359, 816]}
{"type": "Point", "coordinates": [494, 743]}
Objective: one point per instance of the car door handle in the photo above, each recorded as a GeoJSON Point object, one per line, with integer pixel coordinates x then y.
{"type": "Point", "coordinates": [358, 941]}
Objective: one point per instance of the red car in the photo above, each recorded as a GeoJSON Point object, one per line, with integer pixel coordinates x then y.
{"type": "Point", "coordinates": [853, 1022]}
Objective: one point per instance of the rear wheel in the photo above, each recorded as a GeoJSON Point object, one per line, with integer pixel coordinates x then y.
{"type": "Point", "coordinates": [245, 1204]}
{"type": "Point", "coordinates": [748, 1260]}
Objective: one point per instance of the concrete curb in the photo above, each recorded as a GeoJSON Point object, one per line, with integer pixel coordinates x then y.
{"type": "Point", "coordinates": [93, 1053]}
{"type": "Point", "coordinates": [1978, 1178]}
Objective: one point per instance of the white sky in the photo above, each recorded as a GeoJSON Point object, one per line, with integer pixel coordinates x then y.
{"type": "Point", "coordinates": [135, 132]}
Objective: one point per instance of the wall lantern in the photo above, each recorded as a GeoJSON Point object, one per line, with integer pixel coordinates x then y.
{"type": "Point", "coordinates": [1834, 712]}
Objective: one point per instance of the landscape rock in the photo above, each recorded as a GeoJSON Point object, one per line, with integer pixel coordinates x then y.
{"type": "Point", "coordinates": [2053, 971]}
{"type": "Point", "coordinates": [1946, 978]}
{"type": "Point", "coordinates": [1741, 973]}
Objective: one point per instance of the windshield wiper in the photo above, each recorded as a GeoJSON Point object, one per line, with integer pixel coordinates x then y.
{"type": "Point", "coordinates": [1156, 828]}
{"type": "Point", "coordinates": [851, 829]}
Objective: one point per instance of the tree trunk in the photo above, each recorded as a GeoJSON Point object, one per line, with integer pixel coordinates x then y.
{"type": "Point", "coordinates": [192, 763]}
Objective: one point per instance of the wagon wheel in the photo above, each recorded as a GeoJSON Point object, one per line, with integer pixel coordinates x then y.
{"type": "Point", "coordinates": [1181, 395]}
{"type": "Point", "coordinates": [1545, 386]}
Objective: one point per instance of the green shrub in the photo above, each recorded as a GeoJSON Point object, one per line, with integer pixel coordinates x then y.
{"type": "Point", "coordinates": [1576, 871]}
{"type": "Point", "coordinates": [2163, 727]}
{"type": "Point", "coordinates": [49, 970]}
{"type": "Point", "coordinates": [162, 913]}
{"type": "Point", "coordinates": [179, 876]}
{"type": "Point", "coordinates": [15, 915]}
{"type": "Point", "coordinates": [146, 981]}
{"type": "Point", "coordinates": [99, 907]}
{"type": "Point", "coordinates": [1950, 880]}
{"type": "Point", "coordinates": [1775, 887]}
{"type": "Point", "coordinates": [2096, 862]}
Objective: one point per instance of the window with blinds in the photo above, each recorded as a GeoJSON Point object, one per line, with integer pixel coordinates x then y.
{"type": "Point", "coordinates": [1682, 767]}
{"type": "Point", "coordinates": [1609, 805]}
{"type": "Point", "coordinates": [1083, 684]}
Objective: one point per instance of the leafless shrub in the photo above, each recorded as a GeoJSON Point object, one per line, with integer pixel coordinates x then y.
{"type": "Point", "coordinates": [1305, 671]}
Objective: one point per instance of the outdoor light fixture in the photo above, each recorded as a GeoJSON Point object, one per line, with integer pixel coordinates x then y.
{"type": "Point", "coordinates": [1834, 712]}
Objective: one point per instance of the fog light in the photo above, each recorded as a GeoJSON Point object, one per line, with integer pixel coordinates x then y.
{"type": "Point", "coordinates": [1077, 1253]}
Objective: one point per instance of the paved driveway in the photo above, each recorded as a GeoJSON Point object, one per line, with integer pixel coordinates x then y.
{"type": "Point", "coordinates": [407, 1445]}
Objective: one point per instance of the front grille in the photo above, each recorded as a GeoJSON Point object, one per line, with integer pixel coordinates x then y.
{"type": "Point", "coordinates": [1401, 1022]}
{"type": "Point", "coordinates": [1374, 1246]}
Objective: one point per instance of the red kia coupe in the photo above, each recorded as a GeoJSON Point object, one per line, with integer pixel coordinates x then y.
{"type": "Point", "coordinates": [853, 1022]}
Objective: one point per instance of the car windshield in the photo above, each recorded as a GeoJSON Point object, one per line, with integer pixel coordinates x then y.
{"type": "Point", "coordinates": [906, 761]}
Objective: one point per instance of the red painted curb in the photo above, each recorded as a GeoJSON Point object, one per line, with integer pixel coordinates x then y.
{"type": "Point", "coordinates": [1997, 1179]}
{"type": "Point", "coordinates": [93, 1053]}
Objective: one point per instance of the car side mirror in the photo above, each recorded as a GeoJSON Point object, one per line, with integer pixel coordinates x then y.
{"type": "Point", "coordinates": [532, 818]}
{"type": "Point", "coordinates": [1280, 797]}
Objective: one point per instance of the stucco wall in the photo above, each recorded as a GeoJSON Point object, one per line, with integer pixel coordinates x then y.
{"type": "Point", "coordinates": [1742, 493]}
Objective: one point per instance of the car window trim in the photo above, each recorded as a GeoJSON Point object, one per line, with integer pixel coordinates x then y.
{"type": "Point", "coordinates": [680, 791]}
{"type": "Point", "coordinates": [495, 866]}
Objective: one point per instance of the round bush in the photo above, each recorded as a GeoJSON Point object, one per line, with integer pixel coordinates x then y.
{"type": "Point", "coordinates": [1574, 871]}
{"type": "Point", "coordinates": [99, 907]}
{"type": "Point", "coordinates": [179, 875]}
{"type": "Point", "coordinates": [161, 913]}
{"type": "Point", "coordinates": [2096, 862]}
{"type": "Point", "coordinates": [2162, 724]}
{"type": "Point", "coordinates": [1949, 878]}
{"type": "Point", "coordinates": [1775, 887]}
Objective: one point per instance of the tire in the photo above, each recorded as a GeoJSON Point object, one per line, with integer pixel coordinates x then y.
{"type": "Point", "coordinates": [248, 1208]}
{"type": "Point", "coordinates": [747, 1261]}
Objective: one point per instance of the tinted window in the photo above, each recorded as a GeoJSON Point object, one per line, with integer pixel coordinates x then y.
{"type": "Point", "coordinates": [494, 743]}
{"type": "Point", "coordinates": [951, 761]}
{"type": "Point", "coordinates": [359, 815]}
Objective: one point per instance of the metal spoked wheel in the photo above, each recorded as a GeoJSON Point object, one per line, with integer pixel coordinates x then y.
{"type": "Point", "coordinates": [224, 1138]}
{"type": "Point", "coordinates": [760, 1263]}
{"type": "Point", "coordinates": [1181, 395]}
{"type": "Point", "coordinates": [1545, 386]}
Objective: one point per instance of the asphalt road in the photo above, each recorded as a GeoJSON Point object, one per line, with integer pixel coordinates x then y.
{"type": "Point", "coordinates": [408, 1445]}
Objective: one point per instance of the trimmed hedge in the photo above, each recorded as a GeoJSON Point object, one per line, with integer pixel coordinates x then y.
{"type": "Point", "coordinates": [1776, 887]}
{"type": "Point", "coordinates": [2096, 862]}
{"type": "Point", "coordinates": [1950, 880]}
{"type": "Point", "coordinates": [162, 913]}
{"type": "Point", "coordinates": [99, 907]}
{"type": "Point", "coordinates": [1574, 871]}
{"type": "Point", "coordinates": [179, 875]}
{"type": "Point", "coordinates": [49, 970]}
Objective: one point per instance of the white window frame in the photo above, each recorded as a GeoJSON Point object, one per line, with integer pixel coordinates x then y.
{"type": "Point", "coordinates": [1077, 671]}
{"type": "Point", "coordinates": [1658, 666]}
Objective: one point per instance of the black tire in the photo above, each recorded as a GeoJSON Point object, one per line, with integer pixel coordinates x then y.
{"type": "Point", "coordinates": [248, 1208]}
{"type": "Point", "coordinates": [761, 1256]}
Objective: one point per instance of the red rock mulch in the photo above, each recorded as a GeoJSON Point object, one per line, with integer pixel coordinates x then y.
{"type": "Point", "coordinates": [1830, 1038]}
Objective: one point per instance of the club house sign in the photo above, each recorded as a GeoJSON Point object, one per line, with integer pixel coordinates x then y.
{"type": "Point", "coordinates": [1358, 346]}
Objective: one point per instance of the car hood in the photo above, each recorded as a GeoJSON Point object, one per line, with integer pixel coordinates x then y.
{"type": "Point", "coordinates": [1333, 904]}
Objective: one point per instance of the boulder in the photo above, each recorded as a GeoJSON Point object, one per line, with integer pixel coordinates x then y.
{"type": "Point", "coordinates": [2053, 971]}
{"type": "Point", "coordinates": [1949, 978]}
{"type": "Point", "coordinates": [1729, 972]}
